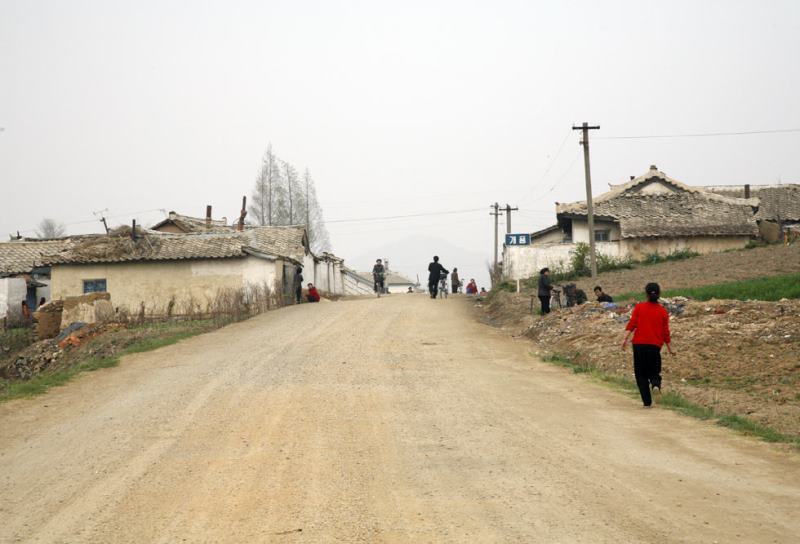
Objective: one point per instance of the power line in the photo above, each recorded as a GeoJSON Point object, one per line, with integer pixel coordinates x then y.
{"type": "Point", "coordinates": [392, 217]}
{"type": "Point", "coordinates": [700, 134]}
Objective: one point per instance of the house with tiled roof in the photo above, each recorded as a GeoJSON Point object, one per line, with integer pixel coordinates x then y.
{"type": "Point", "coordinates": [23, 276]}
{"type": "Point", "coordinates": [169, 274]}
{"type": "Point", "coordinates": [176, 223]}
{"type": "Point", "coordinates": [778, 206]}
{"type": "Point", "coordinates": [651, 213]}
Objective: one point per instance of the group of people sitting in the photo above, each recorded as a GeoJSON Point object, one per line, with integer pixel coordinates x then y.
{"type": "Point", "coordinates": [546, 287]}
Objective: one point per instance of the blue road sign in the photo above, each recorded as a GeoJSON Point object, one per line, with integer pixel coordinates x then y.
{"type": "Point", "coordinates": [518, 239]}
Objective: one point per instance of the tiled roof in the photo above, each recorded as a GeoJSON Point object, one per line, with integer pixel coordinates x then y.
{"type": "Point", "coordinates": [277, 241]}
{"type": "Point", "coordinates": [775, 202]}
{"type": "Point", "coordinates": [20, 257]}
{"type": "Point", "coordinates": [189, 224]}
{"type": "Point", "coordinates": [654, 205]}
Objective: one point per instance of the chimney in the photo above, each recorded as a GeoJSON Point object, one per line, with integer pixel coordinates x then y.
{"type": "Point", "coordinates": [653, 167]}
{"type": "Point", "coordinates": [242, 214]}
{"type": "Point", "coordinates": [133, 230]}
{"type": "Point", "coordinates": [747, 190]}
{"type": "Point", "coordinates": [173, 215]}
{"type": "Point", "coordinates": [208, 216]}
{"type": "Point", "coordinates": [633, 178]}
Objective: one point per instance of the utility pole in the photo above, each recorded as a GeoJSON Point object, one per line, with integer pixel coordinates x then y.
{"type": "Point", "coordinates": [496, 213]}
{"type": "Point", "coordinates": [509, 209]}
{"type": "Point", "coordinates": [585, 128]}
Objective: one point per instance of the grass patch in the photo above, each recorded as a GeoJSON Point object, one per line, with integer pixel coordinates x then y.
{"type": "Point", "coordinates": [676, 255]}
{"type": "Point", "coordinates": [771, 289]}
{"type": "Point", "coordinates": [41, 383]}
{"type": "Point", "coordinates": [673, 400]}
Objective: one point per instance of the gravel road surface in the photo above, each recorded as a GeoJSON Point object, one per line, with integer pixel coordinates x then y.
{"type": "Point", "coordinates": [401, 419]}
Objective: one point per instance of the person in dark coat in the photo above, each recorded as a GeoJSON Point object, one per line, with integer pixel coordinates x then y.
{"type": "Point", "coordinates": [297, 283]}
{"type": "Point", "coordinates": [545, 286]}
{"type": "Point", "coordinates": [435, 271]}
{"type": "Point", "coordinates": [601, 296]}
{"type": "Point", "coordinates": [454, 280]}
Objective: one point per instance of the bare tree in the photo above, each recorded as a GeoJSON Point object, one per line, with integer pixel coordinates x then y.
{"type": "Point", "coordinates": [262, 201]}
{"type": "Point", "coordinates": [50, 228]}
{"type": "Point", "coordinates": [281, 197]}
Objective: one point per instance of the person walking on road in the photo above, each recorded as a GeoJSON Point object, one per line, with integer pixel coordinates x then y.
{"type": "Point", "coordinates": [435, 271]}
{"type": "Point", "coordinates": [454, 281]}
{"type": "Point", "coordinates": [545, 286]}
{"type": "Point", "coordinates": [649, 325]}
{"type": "Point", "coordinates": [378, 277]}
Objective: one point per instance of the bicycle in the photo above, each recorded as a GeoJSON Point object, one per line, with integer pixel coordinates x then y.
{"type": "Point", "coordinates": [555, 299]}
{"type": "Point", "coordinates": [378, 285]}
{"type": "Point", "coordinates": [443, 287]}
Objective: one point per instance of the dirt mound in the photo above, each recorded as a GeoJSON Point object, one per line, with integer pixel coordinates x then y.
{"type": "Point", "coordinates": [708, 269]}
{"type": "Point", "coordinates": [736, 357]}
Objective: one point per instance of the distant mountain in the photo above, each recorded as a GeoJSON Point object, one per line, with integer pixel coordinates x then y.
{"type": "Point", "coordinates": [410, 257]}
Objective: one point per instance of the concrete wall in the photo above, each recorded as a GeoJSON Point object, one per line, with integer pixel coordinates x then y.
{"type": "Point", "coordinates": [520, 262]}
{"type": "Point", "coordinates": [12, 292]}
{"type": "Point", "coordinates": [356, 285]}
{"type": "Point", "coordinates": [638, 248]}
{"type": "Point", "coordinates": [190, 283]}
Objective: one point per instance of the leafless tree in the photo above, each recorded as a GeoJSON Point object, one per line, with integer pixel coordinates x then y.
{"type": "Point", "coordinates": [281, 197]}
{"type": "Point", "coordinates": [263, 198]}
{"type": "Point", "coordinates": [50, 228]}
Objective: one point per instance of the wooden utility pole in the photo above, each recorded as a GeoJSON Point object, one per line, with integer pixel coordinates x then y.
{"type": "Point", "coordinates": [509, 209]}
{"type": "Point", "coordinates": [496, 213]}
{"type": "Point", "coordinates": [585, 128]}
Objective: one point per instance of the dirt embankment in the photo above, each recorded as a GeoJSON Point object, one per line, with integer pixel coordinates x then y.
{"type": "Point", "coordinates": [709, 269]}
{"type": "Point", "coordinates": [735, 357]}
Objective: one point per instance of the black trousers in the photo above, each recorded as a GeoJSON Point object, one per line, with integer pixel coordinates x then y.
{"type": "Point", "coordinates": [545, 304]}
{"type": "Point", "coordinates": [455, 288]}
{"type": "Point", "coordinates": [647, 368]}
{"type": "Point", "coordinates": [433, 288]}
{"type": "Point", "coordinates": [298, 293]}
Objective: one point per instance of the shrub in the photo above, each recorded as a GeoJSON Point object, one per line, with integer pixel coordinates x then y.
{"type": "Point", "coordinates": [675, 255]}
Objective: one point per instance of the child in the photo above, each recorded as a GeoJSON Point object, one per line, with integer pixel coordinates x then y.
{"type": "Point", "coordinates": [650, 327]}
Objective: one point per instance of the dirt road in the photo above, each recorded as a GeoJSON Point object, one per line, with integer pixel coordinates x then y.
{"type": "Point", "coordinates": [392, 420]}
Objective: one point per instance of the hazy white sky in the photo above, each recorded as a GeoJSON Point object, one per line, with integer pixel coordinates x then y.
{"type": "Point", "coordinates": [395, 107]}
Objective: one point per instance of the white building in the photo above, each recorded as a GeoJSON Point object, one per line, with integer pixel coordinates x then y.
{"type": "Point", "coordinates": [650, 214]}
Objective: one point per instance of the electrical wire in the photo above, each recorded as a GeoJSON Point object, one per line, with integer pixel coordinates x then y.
{"type": "Point", "coordinates": [393, 217]}
{"type": "Point", "coordinates": [699, 135]}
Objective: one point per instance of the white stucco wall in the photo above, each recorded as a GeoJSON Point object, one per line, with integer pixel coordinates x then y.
{"type": "Point", "coordinates": [520, 262]}
{"type": "Point", "coordinates": [156, 283]}
{"type": "Point", "coordinates": [356, 285]}
{"type": "Point", "coordinates": [12, 292]}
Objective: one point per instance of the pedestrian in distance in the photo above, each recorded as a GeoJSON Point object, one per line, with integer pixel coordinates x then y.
{"type": "Point", "coordinates": [601, 296]}
{"type": "Point", "coordinates": [313, 294]}
{"type": "Point", "coordinates": [454, 281]}
{"type": "Point", "coordinates": [649, 325]}
{"type": "Point", "coordinates": [297, 283]}
{"type": "Point", "coordinates": [435, 271]}
{"type": "Point", "coordinates": [378, 277]}
{"type": "Point", "coordinates": [472, 287]}
{"type": "Point", "coordinates": [545, 287]}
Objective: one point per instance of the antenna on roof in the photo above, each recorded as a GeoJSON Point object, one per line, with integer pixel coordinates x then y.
{"type": "Point", "coordinates": [102, 213]}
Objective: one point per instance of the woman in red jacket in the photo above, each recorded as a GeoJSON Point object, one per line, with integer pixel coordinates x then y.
{"type": "Point", "coordinates": [650, 327]}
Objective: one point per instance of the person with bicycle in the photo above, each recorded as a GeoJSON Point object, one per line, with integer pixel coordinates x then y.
{"type": "Point", "coordinates": [545, 288]}
{"type": "Point", "coordinates": [435, 271]}
{"type": "Point", "coordinates": [378, 276]}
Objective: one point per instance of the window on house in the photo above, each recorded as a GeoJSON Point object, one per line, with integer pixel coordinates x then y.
{"type": "Point", "coordinates": [602, 235]}
{"type": "Point", "coordinates": [94, 286]}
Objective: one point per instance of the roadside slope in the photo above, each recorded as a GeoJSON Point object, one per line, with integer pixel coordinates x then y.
{"type": "Point", "coordinates": [397, 419]}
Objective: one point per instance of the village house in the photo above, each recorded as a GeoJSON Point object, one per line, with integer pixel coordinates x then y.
{"type": "Point", "coordinates": [176, 223]}
{"type": "Point", "coordinates": [778, 206]}
{"type": "Point", "coordinates": [23, 277]}
{"type": "Point", "coordinates": [652, 213]}
{"type": "Point", "coordinates": [397, 283]}
{"type": "Point", "coordinates": [164, 274]}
